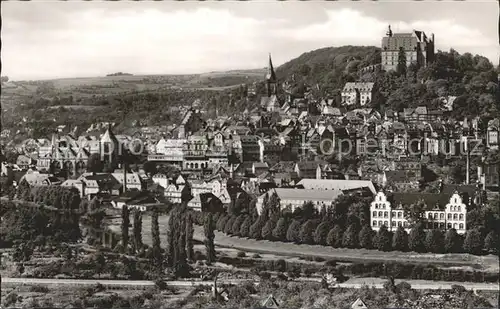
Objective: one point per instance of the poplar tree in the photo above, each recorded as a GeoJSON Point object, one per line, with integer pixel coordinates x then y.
{"type": "Point", "coordinates": [209, 227]}
{"type": "Point", "coordinates": [137, 230]}
{"type": "Point", "coordinates": [155, 233]}
{"type": "Point", "coordinates": [125, 224]}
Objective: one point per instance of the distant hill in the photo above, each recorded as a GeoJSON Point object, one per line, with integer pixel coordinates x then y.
{"type": "Point", "coordinates": [329, 67]}
{"type": "Point", "coordinates": [120, 74]}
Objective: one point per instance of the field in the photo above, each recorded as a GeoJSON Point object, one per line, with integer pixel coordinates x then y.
{"type": "Point", "coordinates": [463, 261]}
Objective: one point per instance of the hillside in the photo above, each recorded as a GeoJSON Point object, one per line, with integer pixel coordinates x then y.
{"type": "Point", "coordinates": [472, 79]}
{"type": "Point", "coordinates": [329, 67]}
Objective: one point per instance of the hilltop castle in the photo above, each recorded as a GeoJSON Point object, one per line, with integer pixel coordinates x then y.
{"type": "Point", "coordinates": [418, 47]}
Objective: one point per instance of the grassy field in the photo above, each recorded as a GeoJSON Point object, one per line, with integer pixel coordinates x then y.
{"type": "Point", "coordinates": [463, 261]}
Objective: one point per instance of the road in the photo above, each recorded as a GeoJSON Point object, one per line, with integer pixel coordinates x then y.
{"type": "Point", "coordinates": [355, 283]}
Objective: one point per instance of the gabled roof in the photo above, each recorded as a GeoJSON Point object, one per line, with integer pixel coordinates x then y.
{"type": "Point", "coordinates": [269, 303]}
{"type": "Point", "coordinates": [407, 198]}
{"type": "Point", "coordinates": [359, 304]}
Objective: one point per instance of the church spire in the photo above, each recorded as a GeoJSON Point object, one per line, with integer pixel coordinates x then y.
{"type": "Point", "coordinates": [270, 76]}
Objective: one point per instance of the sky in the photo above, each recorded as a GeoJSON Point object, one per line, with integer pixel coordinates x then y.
{"type": "Point", "coordinates": [49, 39]}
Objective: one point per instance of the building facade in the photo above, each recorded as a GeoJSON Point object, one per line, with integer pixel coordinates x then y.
{"type": "Point", "coordinates": [357, 93]}
{"type": "Point", "coordinates": [418, 48]}
{"type": "Point", "coordinates": [447, 211]}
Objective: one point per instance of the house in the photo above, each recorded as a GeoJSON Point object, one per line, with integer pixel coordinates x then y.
{"type": "Point", "coordinates": [133, 180]}
{"type": "Point", "coordinates": [444, 211]}
{"type": "Point", "coordinates": [24, 162]}
{"type": "Point", "coordinates": [137, 200]}
{"type": "Point", "coordinates": [358, 304]}
{"type": "Point", "coordinates": [308, 169]}
{"type": "Point", "coordinates": [269, 303]}
{"type": "Point", "coordinates": [75, 183]}
{"type": "Point", "coordinates": [292, 198]}
{"type": "Point", "coordinates": [357, 93]}
{"type": "Point", "coordinates": [492, 137]}
{"type": "Point", "coordinates": [417, 47]}
{"type": "Point", "coordinates": [169, 150]}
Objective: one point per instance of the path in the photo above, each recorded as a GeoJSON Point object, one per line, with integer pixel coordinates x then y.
{"type": "Point", "coordinates": [356, 283]}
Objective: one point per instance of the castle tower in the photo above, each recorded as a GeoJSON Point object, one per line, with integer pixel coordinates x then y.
{"type": "Point", "coordinates": [271, 80]}
{"type": "Point", "coordinates": [389, 31]}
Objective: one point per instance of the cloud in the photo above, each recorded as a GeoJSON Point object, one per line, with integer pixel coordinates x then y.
{"type": "Point", "coordinates": [350, 27]}
{"type": "Point", "coordinates": [59, 40]}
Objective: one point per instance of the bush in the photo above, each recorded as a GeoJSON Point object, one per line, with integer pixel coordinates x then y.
{"type": "Point", "coordinates": [241, 254]}
{"type": "Point", "coordinates": [256, 256]}
{"type": "Point", "coordinates": [39, 289]}
{"type": "Point", "coordinates": [280, 265]}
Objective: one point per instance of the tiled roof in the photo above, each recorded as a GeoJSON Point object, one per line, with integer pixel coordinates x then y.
{"type": "Point", "coordinates": [431, 200]}
{"type": "Point", "coordinates": [336, 184]}
{"type": "Point", "coordinates": [306, 195]}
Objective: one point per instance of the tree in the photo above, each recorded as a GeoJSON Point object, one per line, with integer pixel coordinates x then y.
{"type": "Point", "coordinates": [434, 241]}
{"type": "Point", "coordinates": [491, 243]}
{"type": "Point", "coordinates": [189, 237]}
{"type": "Point", "coordinates": [228, 227]}
{"type": "Point", "coordinates": [137, 230]}
{"type": "Point", "coordinates": [452, 241]}
{"type": "Point", "coordinates": [155, 234]}
{"type": "Point", "coordinates": [383, 239]}
{"type": "Point", "coordinates": [473, 242]}
{"type": "Point", "coordinates": [279, 232]}
{"type": "Point", "coordinates": [366, 237]}
{"type": "Point", "coordinates": [245, 227]}
{"type": "Point", "coordinates": [236, 228]}
{"type": "Point", "coordinates": [267, 230]}
{"type": "Point", "coordinates": [221, 223]}
{"type": "Point", "coordinates": [321, 233]}
{"type": "Point", "coordinates": [416, 238]}
{"type": "Point", "coordinates": [292, 234]}
{"type": "Point", "coordinates": [209, 228]}
{"type": "Point", "coordinates": [400, 240]}
{"type": "Point", "coordinates": [350, 238]}
{"type": "Point", "coordinates": [94, 163]}
{"type": "Point", "coordinates": [24, 191]}
{"type": "Point", "coordinates": [100, 262]}
{"type": "Point", "coordinates": [306, 232]}
{"type": "Point", "coordinates": [415, 213]}
{"type": "Point", "coordinates": [401, 67]}
{"type": "Point", "coordinates": [125, 224]}
{"type": "Point", "coordinates": [335, 237]}
{"type": "Point", "coordinates": [150, 167]}
{"type": "Point", "coordinates": [256, 228]}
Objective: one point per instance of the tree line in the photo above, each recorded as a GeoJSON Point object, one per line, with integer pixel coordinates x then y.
{"type": "Point", "coordinates": [346, 225]}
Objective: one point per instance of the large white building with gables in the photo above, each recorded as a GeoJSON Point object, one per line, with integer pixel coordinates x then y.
{"type": "Point", "coordinates": [447, 211]}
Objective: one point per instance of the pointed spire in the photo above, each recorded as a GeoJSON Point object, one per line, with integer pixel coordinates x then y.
{"type": "Point", "coordinates": [271, 75]}
{"type": "Point", "coordinates": [389, 31]}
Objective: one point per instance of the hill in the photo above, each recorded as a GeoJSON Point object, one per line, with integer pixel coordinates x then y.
{"type": "Point", "coordinates": [329, 68]}
{"type": "Point", "coordinates": [472, 79]}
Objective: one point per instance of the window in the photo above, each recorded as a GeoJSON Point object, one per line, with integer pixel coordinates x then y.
{"type": "Point", "coordinates": [393, 214]}
{"type": "Point", "coordinates": [400, 214]}
{"type": "Point", "coordinates": [380, 214]}
{"type": "Point", "coordinates": [393, 223]}
{"type": "Point", "coordinates": [461, 226]}
{"type": "Point", "coordinates": [441, 216]}
{"type": "Point", "coordinates": [455, 216]}
{"type": "Point", "coordinates": [449, 225]}
{"type": "Point", "coordinates": [385, 223]}
{"type": "Point", "coordinates": [461, 216]}
{"type": "Point", "coordinates": [454, 225]}
{"type": "Point", "coordinates": [386, 214]}
{"type": "Point", "coordinates": [458, 208]}
{"type": "Point", "coordinates": [374, 214]}
{"type": "Point", "coordinates": [449, 216]}
{"type": "Point", "coordinates": [399, 223]}
{"type": "Point", "coordinates": [380, 223]}
{"type": "Point", "coordinates": [374, 223]}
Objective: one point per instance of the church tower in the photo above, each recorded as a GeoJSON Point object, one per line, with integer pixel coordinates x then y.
{"type": "Point", "coordinates": [271, 81]}
{"type": "Point", "coordinates": [389, 32]}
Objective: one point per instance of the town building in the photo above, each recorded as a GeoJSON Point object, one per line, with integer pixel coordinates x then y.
{"type": "Point", "coordinates": [357, 93]}
{"type": "Point", "coordinates": [445, 211]}
{"type": "Point", "coordinates": [291, 198]}
{"type": "Point", "coordinates": [270, 102]}
{"type": "Point", "coordinates": [418, 49]}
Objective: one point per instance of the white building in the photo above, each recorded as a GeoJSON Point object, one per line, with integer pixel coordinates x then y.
{"type": "Point", "coordinates": [336, 184]}
{"type": "Point", "coordinates": [357, 92]}
{"type": "Point", "coordinates": [447, 212]}
{"type": "Point", "coordinates": [296, 198]}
